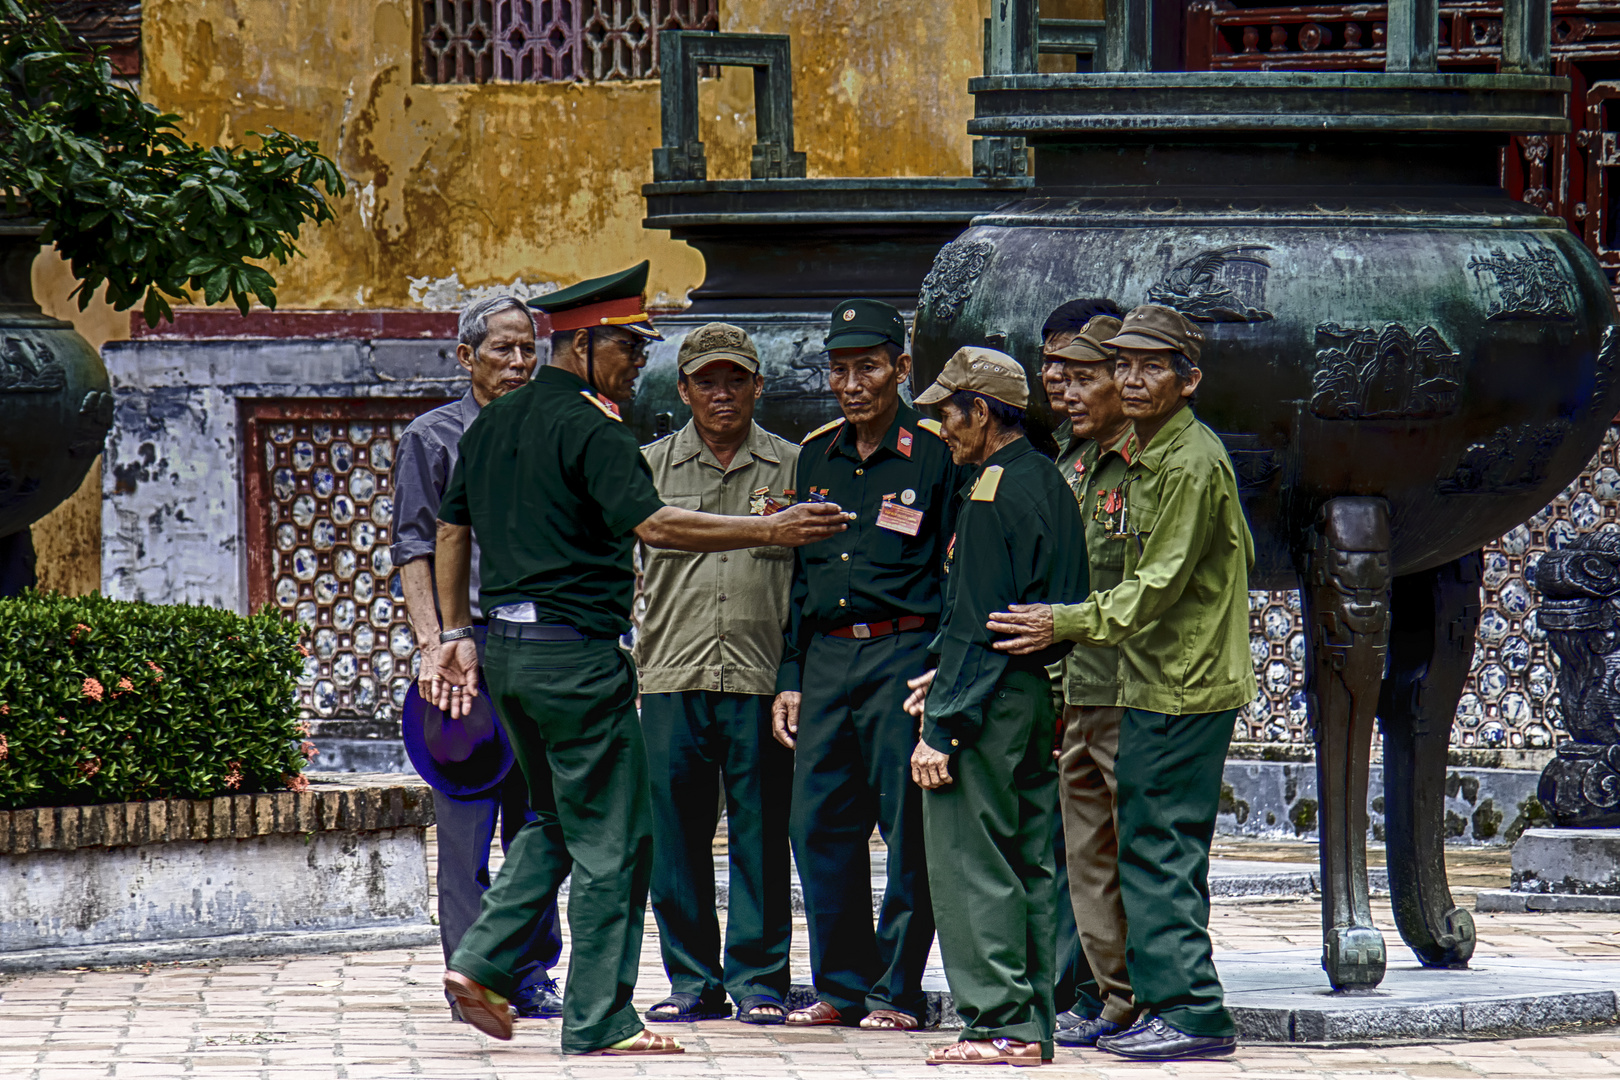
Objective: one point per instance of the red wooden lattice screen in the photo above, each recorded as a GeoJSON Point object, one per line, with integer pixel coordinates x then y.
{"type": "Point", "coordinates": [318, 500]}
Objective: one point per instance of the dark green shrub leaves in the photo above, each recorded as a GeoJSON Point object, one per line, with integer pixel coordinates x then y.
{"type": "Point", "coordinates": [106, 701]}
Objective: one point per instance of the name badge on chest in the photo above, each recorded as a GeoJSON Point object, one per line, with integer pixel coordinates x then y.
{"type": "Point", "coordinates": [900, 519]}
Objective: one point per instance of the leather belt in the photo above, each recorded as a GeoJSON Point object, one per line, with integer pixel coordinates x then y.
{"type": "Point", "coordinates": [863, 630]}
{"type": "Point", "coordinates": [512, 631]}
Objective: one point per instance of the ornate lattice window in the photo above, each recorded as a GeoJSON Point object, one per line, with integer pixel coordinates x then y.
{"type": "Point", "coordinates": [318, 496]}
{"type": "Point", "coordinates": [1510, 701]}
{"type": "Point", "coordinates": [469, 41]}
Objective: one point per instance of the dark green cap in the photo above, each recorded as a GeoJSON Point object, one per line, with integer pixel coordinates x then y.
{"type": "Point", "coordinates": [614, 300]}
{"type": "Point", "coordinates": [860, 324]}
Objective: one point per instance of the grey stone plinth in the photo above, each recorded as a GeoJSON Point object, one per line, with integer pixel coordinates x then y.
{"type": "Point", "coordinates": [341, 866]}
{"type": "Point", "coordinates": [1284, 997]}
{"type": "Point", "coordinates": [1506, 900]}
{"type": "Point", "coordinates": [1573, 862]}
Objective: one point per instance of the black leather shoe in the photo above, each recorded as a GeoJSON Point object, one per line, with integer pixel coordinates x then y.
{"type": "Point", "coordinates": [1068, 1018]}
{"type": "Point", "coordinates": [539, 1002]}
{"type": "Point", "coordinates": [1156, 1040]}
{"type": "Point", "coordinates": [1085, 1033]}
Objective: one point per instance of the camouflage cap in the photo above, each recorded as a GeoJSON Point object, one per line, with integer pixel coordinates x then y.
{"type": "Point", "coordinates": [983, 371]}
{"type": "Point", "coordinates": [715, 342]}
{"type": "Point", "coordinates": [1154, 326]}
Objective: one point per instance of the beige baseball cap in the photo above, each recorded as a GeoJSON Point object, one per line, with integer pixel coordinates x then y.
{"type": "Point", "coordinates": [715, 342]}
{"type": "Point", "coordinates": [983, 371]}
{"type": "Point", "coordinates": [1154, 326]}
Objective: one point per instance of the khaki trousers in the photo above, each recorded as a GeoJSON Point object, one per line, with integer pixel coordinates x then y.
{"type": "Point", "coordinates": [1091, 837]}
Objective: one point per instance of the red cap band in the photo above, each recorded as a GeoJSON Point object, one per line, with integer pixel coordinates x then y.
{"type": "Point", "coordinates": [589, 315]}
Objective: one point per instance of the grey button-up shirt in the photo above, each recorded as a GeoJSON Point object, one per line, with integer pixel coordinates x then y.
{"type": "Point", "coordinates": [423, 463]}
{"type": "Point", "coordinates": [714, 621]}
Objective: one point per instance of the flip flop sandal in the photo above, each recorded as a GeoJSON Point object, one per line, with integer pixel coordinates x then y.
{"type": "Point", "coordinates": [999, 1052]}
{"type": "Point", "coordinates": [688, 1009]}
{"type": "Point", "coordinates": [889, 1020]}
{"type": "Point", "coordinates": [747, 1014]}
{"type": "Point", "coordinates": [492, 1018]}
{"type": "Point", "coordinates": [820, 1014]}
{"type": "Point", "coordinates": [646, 1045]}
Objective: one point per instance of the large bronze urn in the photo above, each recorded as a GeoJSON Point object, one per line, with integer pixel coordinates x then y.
{"type": "Point", "coordinates": [1404, 363]}
{"type": "Point", "coordinates": [55, 400]}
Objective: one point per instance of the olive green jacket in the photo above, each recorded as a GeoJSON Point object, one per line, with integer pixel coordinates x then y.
{"type": "Point", "coordinates": [1097, 477]}
{"type": "Point", "coordinates": [1181, 613]}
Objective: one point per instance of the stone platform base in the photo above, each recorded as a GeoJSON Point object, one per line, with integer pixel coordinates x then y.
{"type": "Point", "coordinates": [1283, 997]}
{"type": "Point", "coordinates": [1516, 902]}
{"type": "Point", "coordinates": [411, 935]}
{"type": "Point", "coordinates": [1561, 870]}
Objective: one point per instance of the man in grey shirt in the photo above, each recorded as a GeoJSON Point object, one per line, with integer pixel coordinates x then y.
{"type": "Point", "coordinates": [496, 346]}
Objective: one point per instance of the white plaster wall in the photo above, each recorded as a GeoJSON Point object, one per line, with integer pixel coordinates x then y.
{"type": "Point", "coordinates": [189, 889]}
{"type": "Point", "coordinates": [172, 475]}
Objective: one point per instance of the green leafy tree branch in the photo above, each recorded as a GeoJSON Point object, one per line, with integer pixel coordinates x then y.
{"type": "Point", "coordinates": [126, 198]}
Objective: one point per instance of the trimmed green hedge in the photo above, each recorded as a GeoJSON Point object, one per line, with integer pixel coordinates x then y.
{"type": "Point", "coordinates": [107, 701]}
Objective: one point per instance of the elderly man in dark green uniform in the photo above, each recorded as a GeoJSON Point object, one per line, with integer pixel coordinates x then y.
{"type": "Point", "coordinates": [1180, 619]}
{"type": "Point", "coordinates": [1094, 468]}
{"type": "Point", "coordinates": [985, 753]}
{"type": "Point", "coordinates": [865, 605]}
{"type": "Point", "coordinates": [558, 492]}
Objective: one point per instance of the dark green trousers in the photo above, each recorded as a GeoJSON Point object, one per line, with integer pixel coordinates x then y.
{"type": "Point", "coordinates": [695, 741]}
{"type": "Point", "coordinates": [1169, 777]}
{"type": "Point", "coordinates": [990, 863]}
{"type": "Point", "coordinates": [851, 770]}
{"type": "Point", "coordinates": [570, 711]}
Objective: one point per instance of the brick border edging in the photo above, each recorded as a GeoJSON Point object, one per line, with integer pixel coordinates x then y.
{"type": "Point", "coordinates": [359, 802]}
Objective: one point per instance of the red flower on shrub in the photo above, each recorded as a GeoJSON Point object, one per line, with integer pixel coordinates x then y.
{"type": "Point", "coordinates": [5, 710]}
{"type": "Point", "coordinates": [73, 636]}
{"type": "Point", "coordinates": [233, 775]}
{"type": "Point", "coordinates": [124, 686]}
{"type": "Point", "coordinates": [93, 689]}
{"type": "Point", "coordinates": [295, 783]}
{"type": "Point", "coordinates": [157, 669]}
{"type": "Point", "coordinates": [301, 728]}
{"type": "Point", "coordinates": [90, 768]}
{"type": "Point", "coordinates": [5, 748]}
{"type": "Point", "coordinates": [303, 650]}
{"type": "Point", "coordinates": [307, 748]}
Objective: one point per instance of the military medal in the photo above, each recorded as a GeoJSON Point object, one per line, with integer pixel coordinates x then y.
{"type": "Point", "coordinates": [757, 501]}
{"type": "Point", "coordinates": [908, 496]}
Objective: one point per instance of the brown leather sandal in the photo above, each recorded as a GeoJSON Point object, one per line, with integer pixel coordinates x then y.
{"type": "Point", "coordinates": [993, 1052]}
{"type": "Point", "coordinates": [889, 1020]}
{"type": "Point", "coordinates": [820, 1014]}
{"type": "Point", "coordinates": [646, 1045]}
{"type": "Point", "coordinates": [492, 1018]}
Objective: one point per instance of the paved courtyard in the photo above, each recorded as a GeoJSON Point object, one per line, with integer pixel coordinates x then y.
{"type": "Point", "coordinates": [382, 1015]}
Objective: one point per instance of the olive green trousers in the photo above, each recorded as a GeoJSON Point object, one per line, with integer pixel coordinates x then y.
{"type": "Point", "coordinates": [1169, 777]}
{"type": "Point", "coordinates": [570, 710]}
{"type": "Point", "coordinates": [991, 870]}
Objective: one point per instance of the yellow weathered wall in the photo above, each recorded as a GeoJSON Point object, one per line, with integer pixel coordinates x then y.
{"type": "Point", "coordinates": [539, 181]}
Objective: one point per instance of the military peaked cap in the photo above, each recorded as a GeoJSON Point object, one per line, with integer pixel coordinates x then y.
{"type": "Point", "coordinates": [614, 300]}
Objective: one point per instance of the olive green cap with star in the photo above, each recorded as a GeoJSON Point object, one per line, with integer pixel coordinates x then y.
{"type": "Point", "coordinates": [861, 324]}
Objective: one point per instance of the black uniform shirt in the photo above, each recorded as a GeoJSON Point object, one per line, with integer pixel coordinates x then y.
{"type": "Point", "coordinates": [1019, 540]}
{"type": "Point", "coordinates": [553, 485]}
{"type": "Point", "coordinates": [870, 573]}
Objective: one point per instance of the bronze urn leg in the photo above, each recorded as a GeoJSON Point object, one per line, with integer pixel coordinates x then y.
{"type": "Point", "coordinates": [1435, 614]}
{"type": "Point", "coordinates": [1346, 594]}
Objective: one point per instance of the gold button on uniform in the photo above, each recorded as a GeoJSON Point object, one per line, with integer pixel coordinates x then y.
{"type": "Point", "coordinates": [845, 556]}
{"type": "Point", "coordinates": [841, 603]}
{"type": "Point", "coordinates": [860, 472]}
{"type": "Point", "coordinates": [955, 743]}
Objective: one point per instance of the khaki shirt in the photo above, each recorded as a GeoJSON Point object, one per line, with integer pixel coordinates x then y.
{"type": "Point", "coordinates": [1180, 615]}
{"type": "Point", "coordinates": [716, 621]}
{"type": "Point", "coordinates": [1091, 672]}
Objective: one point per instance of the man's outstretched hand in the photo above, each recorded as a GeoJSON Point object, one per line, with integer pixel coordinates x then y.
{"type": "Point", "coordinates": [454, 681]}
{"type": "Point", "coordinates": [806, 522]}
{"type": "Point", "coordinates": [1030, 627]}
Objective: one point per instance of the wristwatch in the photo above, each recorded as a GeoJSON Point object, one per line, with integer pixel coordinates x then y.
{"type": "Point", "coordinates": [447, 636]}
